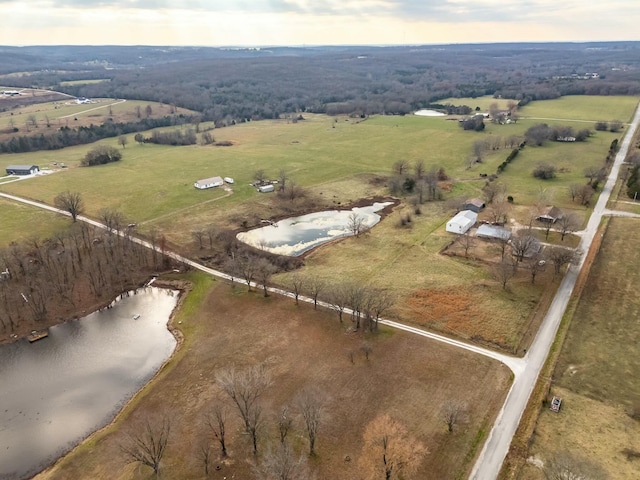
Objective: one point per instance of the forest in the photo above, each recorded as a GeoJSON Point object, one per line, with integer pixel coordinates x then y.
{"type": "Point", "coordinates": [228, 85]}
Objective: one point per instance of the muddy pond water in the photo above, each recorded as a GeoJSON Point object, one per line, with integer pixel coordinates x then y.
{"type": "Point", "coordinates": [296, 235]}
{"type": "Point", "coordinates": [58, 390]}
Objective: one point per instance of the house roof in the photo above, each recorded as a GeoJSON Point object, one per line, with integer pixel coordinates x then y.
{"type": "Point", "coordinates": [208, 181]}
{"type": "Point", "coordinates": [490, 231]}
{"type": "Point", "coordinates": [475, 201]}
{"type": "Point", "coordinates": [21, 167]}
{"type": "Point", "coordinates": [464, 217]}
{"type": "Point", "coordinates": [551, 212]}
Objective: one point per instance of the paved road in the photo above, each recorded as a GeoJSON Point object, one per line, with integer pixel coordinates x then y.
{"type": "Point", "coordinates": [490, 460]}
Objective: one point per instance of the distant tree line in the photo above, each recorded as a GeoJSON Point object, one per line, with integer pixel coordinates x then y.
{"type": "Point", "coordinates": [68, 137]}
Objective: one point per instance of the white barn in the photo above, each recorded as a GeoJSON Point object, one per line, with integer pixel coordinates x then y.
{"type": "Point", "coordinates": [462, 222]}
{"type": "Point", "coordinates": [266, 188]}
{"type": "Point", "coordinates": [209, 183]}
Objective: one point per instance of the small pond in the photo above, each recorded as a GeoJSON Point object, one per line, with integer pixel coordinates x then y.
{"type": "Point", "coordinates": [58, 390]}
{"type": "Point", "coordinates": [296, 235]}
{"type": "Point", "coordinates": [429, 113]}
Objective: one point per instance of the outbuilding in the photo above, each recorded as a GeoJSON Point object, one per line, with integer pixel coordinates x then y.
{"type": "Point", "coordinates": [22, 169]}
{"type": "Point", "coordinates": [462, 222]}
{"type": "Point", "coordinates": [228, 180]}
{"type": "Point", "coordinates": [266, 188]}
{"type": "Point", "coordinates": [209, 183]}
{"type": "Point", "coordinates": [550, 215]}
{"type": "Point", "coordinates": [473, 204]}
{"type": "Point", "coordinates": [493, 233]}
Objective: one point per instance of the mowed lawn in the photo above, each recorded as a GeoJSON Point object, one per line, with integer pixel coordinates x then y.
{"type": "Point", "coordinates": [19, 223]}
{"type": "Point", "coordinates": [597, 370]}
{"type": "Point", "coordinates": [406, 376]}
{"type": "Point", "coordinates": [584, 107]}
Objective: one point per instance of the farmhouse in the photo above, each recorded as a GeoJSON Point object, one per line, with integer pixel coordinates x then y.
{"type": "Point", "coordinates": [550, 215]}
{"type": "Point", "coordinates": [22, 169]}
{"type": "Point", "coordinates": [462, 222]}
{"type": "Point", "coordinates": [473, 204]}
{"type": "Point", "coordinates": [209, 183]}
{"type": "Point", "coordinates": [266, 188]}
{"type": "Point", "coordinates": [493, 233]}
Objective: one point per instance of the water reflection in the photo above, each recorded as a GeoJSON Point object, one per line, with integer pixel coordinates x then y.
{"type": "Point", "coordinates": [58, 390]}
{"type": "Point", "coordinates": [296, 235]}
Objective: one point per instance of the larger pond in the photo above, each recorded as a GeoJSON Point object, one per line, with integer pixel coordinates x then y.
{"type": "Point", "coordinates": [296, 235]}
{"type": "Point", "coordinates": [58, 390]}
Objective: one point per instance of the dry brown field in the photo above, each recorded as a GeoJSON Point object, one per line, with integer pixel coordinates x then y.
{"type": "Point", "coordinates": [408, 377]}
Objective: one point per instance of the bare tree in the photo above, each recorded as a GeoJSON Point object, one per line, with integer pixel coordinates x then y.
{"type": "Point", "coordinates": [523, 244]}
{"type": "Point", "coordinates": [493, 190]}
{"type": "Point", "coordinates": [212, 232]}
{"type": "Point", "coordinates": [147, 443]}
{"type": "Point", "coordinates": [574, 191]}
{"type": "Point", "coordinates": [260, 176]}
{"type": "Point", "coordinates": [537, 265]}
{"type": "Point", "coordinates": [388, 451]}
{"type": "Point", "coordinates": [568, 223]}
{"type": "Point", "coordinates": [585, 194]}
{"type": "Point", "coordinates": [452, 412]}
{"type": "Point", "coordinates": [400, 167]}
{"type": "Point", "coordinates": [148, 111]}
{"type": "Point", "coordinates": [316, 286]}
{"type": "Point", "coordinates": [285, 421]}
{"type": "Point", "coordinates": [112, 219]}
{"type": "Point", "coordinates": [339, 299]}
{"type": "Point", "coordinates": [245, 387]}
{"type": "Point", "coordinates": [198, 236]}
{"type": "Point", "coordinates": [70, 202]}
{"type": "Point", "coordinates": [246, 266]}
{"type": "Point", "coordinates": [216, 421]}
{"type": "Point", "coordinates": [356, 224]}
{"type": "Point", "coordinates": [592, 173]}
{"type": "Point", "coordinates": [419, 169]}
{"type": "Point", "coordinates": [123, 140]}
{"type": "Point", "coordinates": [546, 227]}
{"type": "Point", "coordinates": [366, 349]}
{"type": "Point", "coordinates": [280, 463]}
{"type": "Point", "coordinates": [567, 466]}
{"type": "Point", "coordinates": [297, 283]}
{"type": "Point", "coordinates": [561, 256]}
{"type": "Point", "coordinates": [504, 271]}
{"type": "Point", "coordinates": [466, 242]}
{"type": "Point", "coordinates": [310, 403]}
{"type": "Point", "coordinates": [498, 211]}
{"type": "Point", "coordinates": [264, 271]}
{"type": "Point", "coordinates": [282, 180]}
{"type": "Point", "coordinates": [204, 454]}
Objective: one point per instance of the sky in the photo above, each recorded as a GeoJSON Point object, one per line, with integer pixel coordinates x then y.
{"type": "Point", "coordinates": [314, 22]}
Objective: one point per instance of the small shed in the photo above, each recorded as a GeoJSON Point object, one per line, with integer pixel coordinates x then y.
{"type": "Point", "coordinates": [474, 204]}
{"type": "Point", "coordinates": [493, 233]}
{"type": "Point", "coordinates": [228, 180]}
{"type": "Point", "coordinates": [22, 169]}
{"type": "Point", "coordinates": [550, 215]}
{"type": "Point", "coordinates": [266, 188]}
{"type": "Point", "coordinates": [209, 183]}
{"type": "Point", "coordinates": [462, 222]}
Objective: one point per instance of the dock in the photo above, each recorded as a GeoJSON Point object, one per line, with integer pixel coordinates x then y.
{"type": "Point", "coordinates": [36, 335]}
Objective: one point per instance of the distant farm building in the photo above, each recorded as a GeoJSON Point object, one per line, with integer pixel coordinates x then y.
{"type": "Point", "coordinates": [493, 233]}
{"type": "Point", "coordinates": [209, 183]}
{"type": "Point", "coordinates": [550, 215]}
{"type": "Point", "coordinates": [22, 169]}
{"type": "Point", "coordinates": [266, 188]}
{"type": "Point", "coordinates": [462, 222]}
{"type": "Point", "coordinates": [473, 204]}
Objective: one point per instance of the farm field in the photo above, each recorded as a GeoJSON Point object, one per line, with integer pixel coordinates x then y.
{"type": "Point", "coordinates": [594, 374]}
{"type": "Point", "coordinates": [408, 377]}
{"type": "Point", "coordinates": [20, 222]}
{"type": "Point", "coordinates": [578, 107]}
{"type": "Point", "coordinates": [339, 160]}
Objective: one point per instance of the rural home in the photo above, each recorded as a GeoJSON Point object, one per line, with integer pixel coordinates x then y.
{"type": "Point", "coordinates": [473, 204]}
{"type": "Point", "coordinates": [462, 222]}
{"type": "Point", "coordinates": [550, 215]}
{"type": "Point", "coordinates": [22, 169]}
{"type": "Point", "coordinates": [209, 183]}
{"type": "Point", "coordinates": [491, 232]}
{"type": "Point", "coordinates": [266, 188]}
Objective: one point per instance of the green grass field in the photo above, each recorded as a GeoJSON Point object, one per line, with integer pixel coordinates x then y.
{"type": "Point", "coordinates": [21, 222]}
{"type": "Point", "coordinates": [336, 158]}
{"type": "Point", "coordinates": [588, 108]}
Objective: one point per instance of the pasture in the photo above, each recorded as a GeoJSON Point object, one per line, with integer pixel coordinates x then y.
{"type": "Point", "coordinates": [595, 370]}
{"type": "Point", "coordinates": [406, 376]}
{"type": "Point", "coordinates": [340, 160]}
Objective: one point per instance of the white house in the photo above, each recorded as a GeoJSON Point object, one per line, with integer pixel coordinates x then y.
{"type": "Point", "coordinates": [209, 183]}
{"type": "Point", "coordinates": [462, 222]}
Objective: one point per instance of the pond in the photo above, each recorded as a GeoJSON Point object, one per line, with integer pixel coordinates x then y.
{"type": "Point", "coordinates": [429, 113]}
{"type": "Point", "coordinates": [296, 235]}
{"type": "Point", "coordinates": [58, 390]}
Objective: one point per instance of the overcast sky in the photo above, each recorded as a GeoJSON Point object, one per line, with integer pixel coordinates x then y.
{"type": "Point", "coordinates": [313, 22]}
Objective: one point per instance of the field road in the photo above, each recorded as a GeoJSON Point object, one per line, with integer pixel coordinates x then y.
{"type": "Point", "coordinates": [526, 370]}
{"type": "Point", "coordinates": [91, 109]}
{"type": "Point", "coordinates": [495, 449]}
